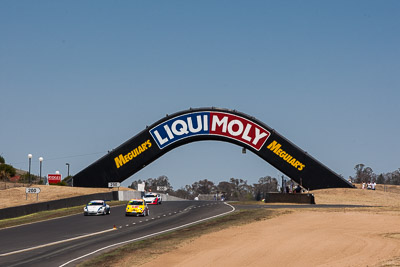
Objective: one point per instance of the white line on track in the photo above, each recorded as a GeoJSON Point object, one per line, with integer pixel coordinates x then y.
{"type": "Point", "coordinates": [147, 236]}
{"type": "Point", "coordinates": [54, 243]}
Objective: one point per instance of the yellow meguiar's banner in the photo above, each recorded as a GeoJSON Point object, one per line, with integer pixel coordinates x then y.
{"type": "Point", "coordinates": [123, 159]}
{"type": "Point", "coordinates": [208, 124]}
{"type": "Point", "coordinates": [277, 149]}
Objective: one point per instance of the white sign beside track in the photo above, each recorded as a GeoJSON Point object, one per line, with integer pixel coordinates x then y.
{"type": "Point", "coordinates": [32, 190]}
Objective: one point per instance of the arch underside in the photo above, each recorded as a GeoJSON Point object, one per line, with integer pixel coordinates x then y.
{"type": "Point", "coordinates": [209, 124]}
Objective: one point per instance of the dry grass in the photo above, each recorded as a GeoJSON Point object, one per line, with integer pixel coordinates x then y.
{"type": "Point", "coordinates": [48, 215]}
{"type": "Point", "coordinates": [16, 196]}
{"type": "Point", "coordinates": [358, 196]}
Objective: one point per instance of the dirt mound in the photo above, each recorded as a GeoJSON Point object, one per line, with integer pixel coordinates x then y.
{"type": "Point", "coordinates": [388, 196]}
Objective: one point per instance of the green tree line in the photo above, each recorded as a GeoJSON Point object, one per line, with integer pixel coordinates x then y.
{"type": "Point", "coordinates": [365, 174]}
{"type": "Point", "coordinates": [234, 189]}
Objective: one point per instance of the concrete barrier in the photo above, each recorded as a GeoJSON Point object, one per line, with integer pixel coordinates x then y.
{"type": "Point", "coordinates": [289, 198]}
{"type": "Point", "coordinates": [18, 211]}
{"type": "Point", "coordinates": [127, 195]}
{"type": "Point", "coordinates": [166, 197]}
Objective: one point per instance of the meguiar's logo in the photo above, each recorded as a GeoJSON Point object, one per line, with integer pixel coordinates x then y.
{"type": "Point", "coordinates": [210, 123]}
{"type": "Point", "coordinates": [276, 148]}
{"type": "Point", "coordinates": [123, 159]}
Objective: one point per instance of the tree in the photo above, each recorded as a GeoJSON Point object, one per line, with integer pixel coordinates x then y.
{"type": "Point", "coordinates": [241, 190]}
{"type": "Point", "coordinates": [363, 174]}
{"type": "Point", "coordinates": [380, 179]}
{"type": "Point", "coordinates": [2, 161]}
{"type": "Point", "coordinates": [395, 177]}
{"type": "Point", "coordinates": [182, 193]}
{"type": "Point", "coordinates": [134, 184]}
{"type": "Point", "coordinates": [163, 181]}
{"type": "Point", "coordinates": [203, 187]}
{"type": "Point", "coordinates": [265, 185]}
{"type": "Point", "coordinates": [226, 188]}
{"type": "Point", "coordinates": [6, 171]}
{"type": "Point", "coordinates": [151, 184]}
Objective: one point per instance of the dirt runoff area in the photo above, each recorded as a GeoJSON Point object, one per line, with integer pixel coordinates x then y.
{"type": "Point", "coordinates": [297, 239]}
{"type": "Point", "coordinates": [315, 237]}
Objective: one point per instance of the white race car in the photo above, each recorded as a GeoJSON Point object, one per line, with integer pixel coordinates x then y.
{"type": "Point", "coordinates": [96, 207]}
{"type": "Point", "coordinates": [153, 198]}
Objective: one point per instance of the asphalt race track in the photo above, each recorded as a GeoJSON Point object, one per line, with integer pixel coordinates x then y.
{"type": "Point", "coordinates": [69, 240]}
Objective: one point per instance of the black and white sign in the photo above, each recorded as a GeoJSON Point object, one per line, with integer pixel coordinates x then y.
{"type": "Point", "coordinates": [32, 190]}
{"type": "Point", "coordinates": [114, 184]}
{"type": "Point", "coordinates": [162, 188]}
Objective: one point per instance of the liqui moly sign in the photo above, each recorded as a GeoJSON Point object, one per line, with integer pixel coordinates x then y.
{"type": "Point", "coordinates": [210, 123]}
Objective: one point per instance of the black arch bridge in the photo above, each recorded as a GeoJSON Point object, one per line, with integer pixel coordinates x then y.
{"type": "Point", "coordinates": [208, 124]}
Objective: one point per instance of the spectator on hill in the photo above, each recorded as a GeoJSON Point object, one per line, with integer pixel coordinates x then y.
{"type": "Point", "coordinates": [298, 189]}
{"type": "Point", "coordinates": [369, 186]}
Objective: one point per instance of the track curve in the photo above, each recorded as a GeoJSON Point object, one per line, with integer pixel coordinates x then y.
{"type": "Point", "coordinates": [69, 240]}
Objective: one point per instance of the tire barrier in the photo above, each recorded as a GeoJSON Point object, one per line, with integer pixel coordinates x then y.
{"type": "Point", "coordinates": [209, 124]}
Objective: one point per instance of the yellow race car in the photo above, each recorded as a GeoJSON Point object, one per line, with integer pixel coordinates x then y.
{"type": "Point", "coordinates": [137, 207]}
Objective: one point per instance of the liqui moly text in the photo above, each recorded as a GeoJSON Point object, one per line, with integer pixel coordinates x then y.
{"type": "Point", "coordinates": [210, 123]}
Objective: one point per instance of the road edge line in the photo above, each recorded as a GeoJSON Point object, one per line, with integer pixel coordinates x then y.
{"type": "Point", "coordinates": [150, 235]}
{"type": "Point", "coordinates": [54, 243]}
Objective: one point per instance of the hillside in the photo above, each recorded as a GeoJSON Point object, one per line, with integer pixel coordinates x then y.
{"type": "Point", "coordinates": [388, 196]}
{"type": "Point", "coordinates": [16, 196]}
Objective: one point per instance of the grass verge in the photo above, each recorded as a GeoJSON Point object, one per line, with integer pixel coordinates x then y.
{"type": "Point", "coordinates": [144, 251]}
{"type": "Point", "coordinates": [47, 215]}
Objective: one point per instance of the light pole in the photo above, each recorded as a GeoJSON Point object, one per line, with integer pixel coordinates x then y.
{"type": "Point", "coordinates": [68, 168]}
{"type": "Point", "coordinates": [40, 172]}
{"type": "Point", "coordinates": [29, 173]}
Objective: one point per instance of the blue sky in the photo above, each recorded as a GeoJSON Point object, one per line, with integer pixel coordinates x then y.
{"type": "Point", "coordinates": [78, 78]}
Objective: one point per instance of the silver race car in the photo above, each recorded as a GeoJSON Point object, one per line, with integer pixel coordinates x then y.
{"type": "Point", "coordinates": [96, 207]}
